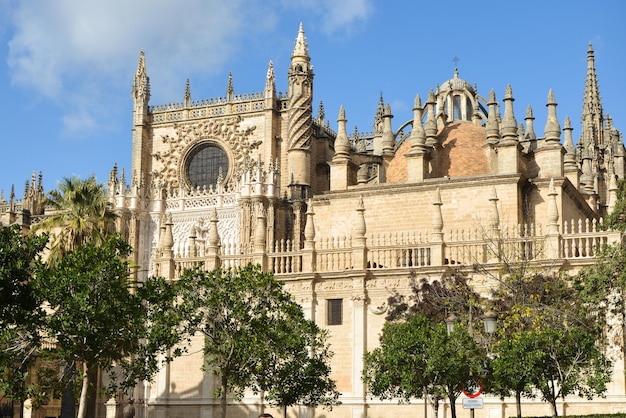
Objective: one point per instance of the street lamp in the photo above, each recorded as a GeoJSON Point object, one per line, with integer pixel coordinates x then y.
{"type": "Point", "coordinates": [489, 322]}
{"type": "Point", "coordinates": [450, 321]}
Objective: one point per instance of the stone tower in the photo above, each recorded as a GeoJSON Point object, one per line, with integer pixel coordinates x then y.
{"type": "Point", "coordinates": [299, 118]}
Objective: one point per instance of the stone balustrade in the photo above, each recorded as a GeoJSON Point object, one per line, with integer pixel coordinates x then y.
{"type": "Point", "coordinates": [580, 240]}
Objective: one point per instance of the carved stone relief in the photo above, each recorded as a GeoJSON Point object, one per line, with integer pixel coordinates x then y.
{"type": "Point", "coordinates": [227, 132]}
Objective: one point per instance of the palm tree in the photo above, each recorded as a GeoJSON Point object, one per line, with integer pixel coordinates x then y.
{"type": "Point", "coordinates": [81, 214]}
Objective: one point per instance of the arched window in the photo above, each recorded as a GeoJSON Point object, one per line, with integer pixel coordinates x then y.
{"type": "Point", "coordinates": [456, 106]}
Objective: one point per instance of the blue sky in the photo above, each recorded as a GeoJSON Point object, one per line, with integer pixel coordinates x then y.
{"type": "Point", "coordinates": [67, 66]}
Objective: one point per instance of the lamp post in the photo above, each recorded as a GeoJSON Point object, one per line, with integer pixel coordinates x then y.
{"type": "Point", "coordinates": [489, 322]}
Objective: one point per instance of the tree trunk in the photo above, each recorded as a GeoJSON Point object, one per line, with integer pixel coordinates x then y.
{"type": "Point", "coordinates": [222, 398]}
{"type": "Point", "coordinates": [452, 400]}
{"type": "Point", "coordinates": [518, 404]}
{"type": "Point", "coordinates": [82, 404]}
{"type": "Point", "coordinates": [435, 402]}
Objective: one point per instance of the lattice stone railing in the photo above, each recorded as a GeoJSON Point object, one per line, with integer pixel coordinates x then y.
{"type": "Point", "coordinates": [579, 240]}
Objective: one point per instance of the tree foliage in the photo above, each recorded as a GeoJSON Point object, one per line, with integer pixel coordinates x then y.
{"type": "Point", "coordinates": [20, 310]}
{"type": "Point", "coordinates": [98, 318]}
{"type": "Point", "coordinates": [547, 341]}
{"type": "Point", "coordinates": [81, 213]}
{"type": "Point", "coordinates": [417, 355]}
{"type": "Point", "coordinates": [257, 338]}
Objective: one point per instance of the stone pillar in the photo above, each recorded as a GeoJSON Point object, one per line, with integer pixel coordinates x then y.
{"type": "Point", "coordinates": [494, 241]}
{"type": "Point", "coordinates": [553, 238]}
{"type": "Point", "coordinates": [260, 253]}
{"type": "Point", "coordinates": [167, 269]}
{"type": "Point", "coordinates": [308, 253]}
{"type": "Point", "coordinates": [212, 257]}
{"type": "Point", "coordinates": [359, 248]}
{"type": "Point", "coordinates": [437, 244]}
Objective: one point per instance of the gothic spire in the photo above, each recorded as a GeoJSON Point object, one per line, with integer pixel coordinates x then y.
{"type": "Point", "coordinates": [301, 49]}
{"type": "Point", "coordinates": [508, 127]}
{"type": "Point", "coordinates": [141, 83]}
{"type": "Point", "coordinates": [568, 144]}
{"type": "Point", "coordinates": [492, 127]}
{"type": "Point", "coordinates": [530, 128]}
{"type": "Point", "coordinates": [388, 139]}
{"type": "Point", "coordinates": [418, 136]}
{"type": "Point", "coordinates": [592, 105]}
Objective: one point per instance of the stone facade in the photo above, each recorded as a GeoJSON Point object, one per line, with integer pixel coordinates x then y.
{"type": "Point", "coordinates": [260, 178]}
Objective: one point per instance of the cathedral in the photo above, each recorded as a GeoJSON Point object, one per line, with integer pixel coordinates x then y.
{"type": "Point", "coordinates": [346, 219]}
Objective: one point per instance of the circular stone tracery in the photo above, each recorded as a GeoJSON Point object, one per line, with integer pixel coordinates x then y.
{"type": "Point", "coordinates": [205, 164]}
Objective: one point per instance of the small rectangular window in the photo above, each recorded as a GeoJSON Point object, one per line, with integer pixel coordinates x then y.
{"type": "Point", "coordinates": [334, 311]}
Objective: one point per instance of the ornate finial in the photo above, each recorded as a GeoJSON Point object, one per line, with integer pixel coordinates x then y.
{"type": "Point", "coordinates": [387, 109]}
{"type": "Point", "coordinates": [529, 112]}
{"type": "Point", "coordinates": [492, 96]}
{"type": "Point", "coordinates": [342, 114]}
{"type": "Point", "coordinates": [495, 215]}
{"type": "Point", "coordinates": [270, 86]}
{"type": "Point", "coordinates": [553, 211]}
{"type": "Point", "coordinates": [342, 144]}
{"type": "Point", "coordinates": [270, 71]}
{"type": "Point", "coordinates": [187, 97]}
{"type": "Point", "coordinates": [437, 222]}
{"type": "Point", "coordinates": [431, 97]}
{"type": "Point", "coordinates": [417, 104]}
{"type": "Point", "coordinates": [552, 130]}
{"type": "Point", "coordinates": [360, 227]}
{"type": "Point", "coordinates": [309, 228]}
{"type": "Point", "coordinates": [320, 113]}
{"type": "Point", "coordinates": [509, 123]}
{"type": "Point", "coordinates": [230, 91]}
{"type": "Point", "coordinates": [508, 92]}
{"type": "Point", "coordinates": [214, 237]}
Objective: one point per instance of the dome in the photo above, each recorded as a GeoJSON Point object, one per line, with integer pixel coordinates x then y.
{"type": "Point", "coordinates": [456, 83]}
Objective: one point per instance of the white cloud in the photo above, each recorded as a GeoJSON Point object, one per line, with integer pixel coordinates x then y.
{"type": "Point", "coordinates": [66, 50]}
{"type": "Point", "coordinates": [336, 16]}
{"type": "Point", "coordinates": [82, 54]}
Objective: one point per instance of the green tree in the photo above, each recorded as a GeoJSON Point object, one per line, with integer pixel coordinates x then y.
{"type": "Point", "coordinates": [443, 361]}
{"type": "Point", "coordinates": [81, 213]}
{"type": "Point", "coordinates": [568, 362]}
{"type": "Point", "coordinates": [418, 356]}
{"type": "Point", "coordinates": [100, 319]}
{"type": "Point", "coordinates": [20, 311]}
{"type": "Point", "coordinates": [257, 338]}
{"type": "Point", "coordinates": [397, 368]}
{"type": "Point", "coordinates": [547, 340]}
